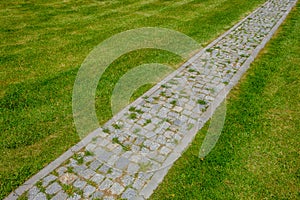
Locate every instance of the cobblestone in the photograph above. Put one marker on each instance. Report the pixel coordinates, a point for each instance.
(97, 195)
(61, 170)
(95, 165)
(127, 180)
(117, 189)
(53, 188)
(33, 192)
(97, 178)
(40, 196)
(48, 180)
(120, 162)
(60, 196)
(79, 184)
(138, 184)
(88, 190)
(86, 174)
(129, 194)
(104, 169)
(105, 184)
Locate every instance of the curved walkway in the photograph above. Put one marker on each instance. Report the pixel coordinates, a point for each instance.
(130, 155)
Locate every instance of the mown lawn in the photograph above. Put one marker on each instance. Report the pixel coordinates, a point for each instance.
(43, 44)
(258, 154)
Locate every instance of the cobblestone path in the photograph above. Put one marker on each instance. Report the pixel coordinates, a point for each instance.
(129, 156)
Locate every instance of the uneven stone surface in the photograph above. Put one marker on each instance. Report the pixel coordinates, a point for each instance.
(131, 153)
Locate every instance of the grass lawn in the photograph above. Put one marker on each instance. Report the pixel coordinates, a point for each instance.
(43, 44)
(258, 154)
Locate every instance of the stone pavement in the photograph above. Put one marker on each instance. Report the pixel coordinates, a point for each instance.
(130, 155)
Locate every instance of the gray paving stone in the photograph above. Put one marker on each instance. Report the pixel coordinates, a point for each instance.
(79, 184)
(187, 112)
(177, 122)
(102, 142)
(135, 158)
(103, 135)
(40, 196)
(138, 184)
(72, 163)
(61, 170)
(97, 195)
(112, 160)
(90, 147)
(102, 154)
(135, 149)
(88, 190)
(160, 158)
(53, 188)
(145, 150)
(154, 146)
(114, 174)
(173, 115)
(108, 198)
(150, 127)
(110, 147)
(133, 168)
(139, 140)
(60, 196)
(127, 180)
(144, 175)
(127, 154)
(97, 178)
(122, 163)
(129, 194)
(33, 192)
(104, 168)
(48, 179)
(161, 139)
(87, 159)
(79, 168)
(150, 134)
(95, 165)
(88, 173)
(117, 150)
(116, 189)
(177, 109)
(105, 184)
(165, 150)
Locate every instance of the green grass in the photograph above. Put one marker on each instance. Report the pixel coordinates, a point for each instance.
(201, 102)
(257, 155)
(43, 44)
